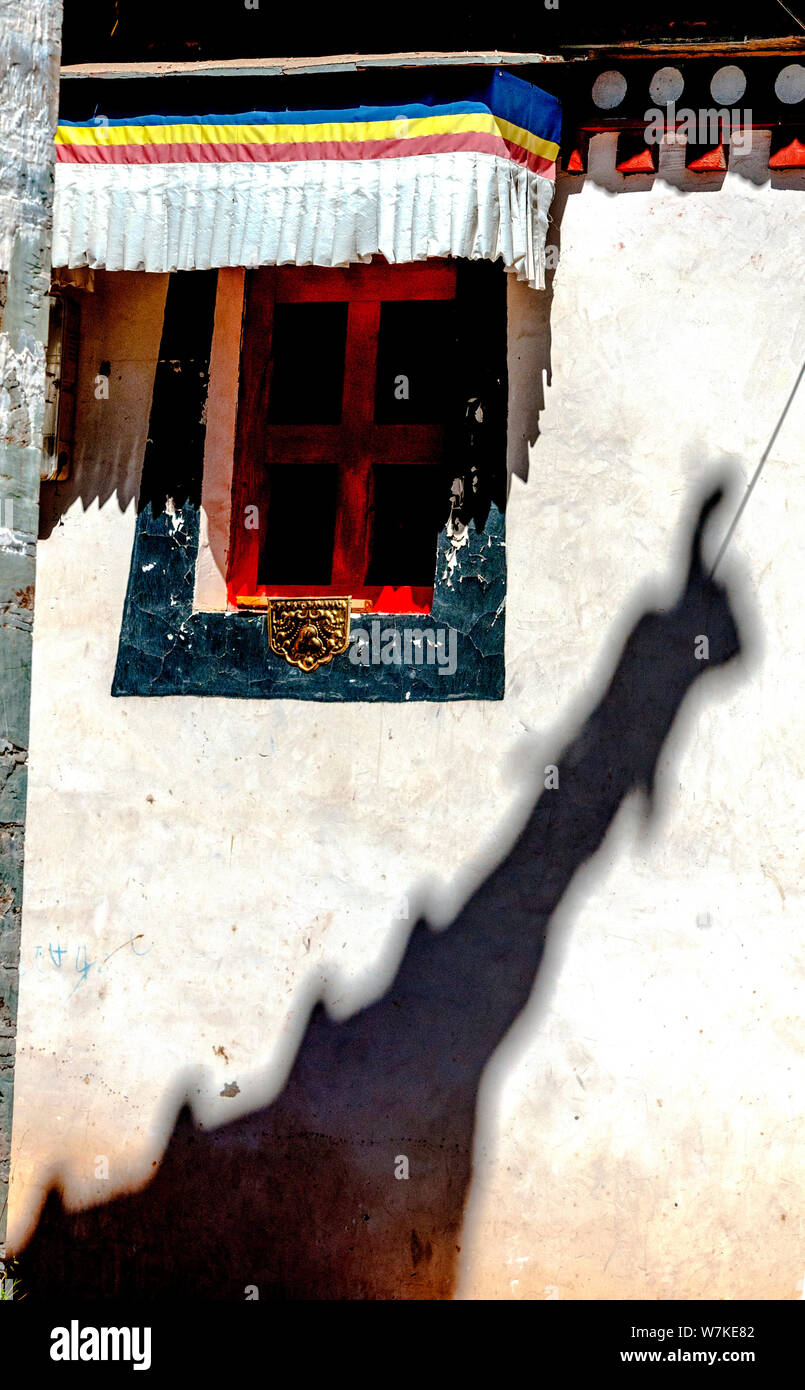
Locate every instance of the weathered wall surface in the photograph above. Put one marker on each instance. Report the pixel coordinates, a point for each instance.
(199, 870)
(29, 43)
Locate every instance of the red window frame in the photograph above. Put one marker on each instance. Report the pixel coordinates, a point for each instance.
(355, 445)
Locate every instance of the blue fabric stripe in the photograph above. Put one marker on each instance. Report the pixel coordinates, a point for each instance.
(507, 96)
(523, 104)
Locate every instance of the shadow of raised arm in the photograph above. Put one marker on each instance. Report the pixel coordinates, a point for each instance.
(305, 1198)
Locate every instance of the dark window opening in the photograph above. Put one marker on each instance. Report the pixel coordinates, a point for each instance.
(416, 355)
(407, 515)
(307, 380)
(298, 547)
(352, 425)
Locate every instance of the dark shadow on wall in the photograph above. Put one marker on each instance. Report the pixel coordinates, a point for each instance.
(530, 356)
(120, 329)
(300, 1198)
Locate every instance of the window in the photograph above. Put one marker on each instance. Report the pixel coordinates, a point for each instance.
(341, 482)
(318, 432)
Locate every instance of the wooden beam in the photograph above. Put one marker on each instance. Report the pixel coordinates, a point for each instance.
(679, 48)
(291, 67)
(362, 62)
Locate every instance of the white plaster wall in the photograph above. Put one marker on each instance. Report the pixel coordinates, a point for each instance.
(639, 1129)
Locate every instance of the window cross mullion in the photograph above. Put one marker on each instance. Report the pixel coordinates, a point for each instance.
(350, 548)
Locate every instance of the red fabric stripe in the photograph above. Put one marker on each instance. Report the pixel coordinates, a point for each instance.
(261, 154)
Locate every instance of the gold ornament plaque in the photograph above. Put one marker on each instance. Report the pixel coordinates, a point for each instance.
(308, 632)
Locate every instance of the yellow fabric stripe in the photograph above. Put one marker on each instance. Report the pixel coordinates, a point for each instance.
(535, 144)
(348, 132)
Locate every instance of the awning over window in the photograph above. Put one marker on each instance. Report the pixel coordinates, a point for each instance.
(469, 178)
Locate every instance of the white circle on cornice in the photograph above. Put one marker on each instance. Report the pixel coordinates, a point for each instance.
(728, 85)
(790, 84)
(609, 89)
(666, 85)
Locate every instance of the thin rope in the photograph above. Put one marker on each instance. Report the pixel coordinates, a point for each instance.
(791, 12)
(757, 472)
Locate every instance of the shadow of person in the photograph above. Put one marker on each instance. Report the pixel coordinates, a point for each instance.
(352, 1183)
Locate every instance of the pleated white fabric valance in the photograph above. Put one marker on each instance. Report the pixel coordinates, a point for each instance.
(473, 179)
